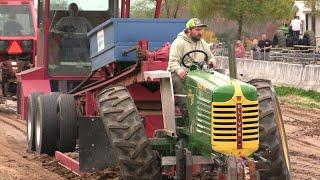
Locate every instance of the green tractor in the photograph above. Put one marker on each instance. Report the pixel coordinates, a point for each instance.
(235, 129)
(283, 37)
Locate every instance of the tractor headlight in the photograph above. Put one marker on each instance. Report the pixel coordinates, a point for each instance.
(27, 46)
(4, 45)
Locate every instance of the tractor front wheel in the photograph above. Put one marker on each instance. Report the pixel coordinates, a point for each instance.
(273, 145)
(279, 39)
(309, 38)
(127, 135)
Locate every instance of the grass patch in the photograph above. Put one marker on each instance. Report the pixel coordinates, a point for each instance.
(298, 97)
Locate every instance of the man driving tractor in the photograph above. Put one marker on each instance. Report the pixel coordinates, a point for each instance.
(72, 32)
(73, 23)
(186, 41)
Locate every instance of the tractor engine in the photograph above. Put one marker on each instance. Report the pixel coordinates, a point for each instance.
(223, 112)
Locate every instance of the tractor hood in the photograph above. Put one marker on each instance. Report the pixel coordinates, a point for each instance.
(222, 111)
(219, 85)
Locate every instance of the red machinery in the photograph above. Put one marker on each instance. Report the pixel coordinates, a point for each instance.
(71, 76)
(17, 42)
(43, 78)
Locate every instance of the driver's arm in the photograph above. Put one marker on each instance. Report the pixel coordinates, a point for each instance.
(58, 26)
(211, 59)
(175, 56)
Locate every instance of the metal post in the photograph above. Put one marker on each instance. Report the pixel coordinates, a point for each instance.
(180, 161)
(232, 60)
(158, 9)
(314, 55)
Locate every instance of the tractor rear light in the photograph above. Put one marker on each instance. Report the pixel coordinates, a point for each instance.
(4, 45)
(27, 46)
(13, 63)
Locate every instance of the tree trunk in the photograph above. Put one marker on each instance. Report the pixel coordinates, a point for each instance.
(176, 10)
(313, 15)
(167, 8)
(240, 23)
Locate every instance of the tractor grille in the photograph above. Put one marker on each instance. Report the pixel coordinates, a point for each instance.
(203, 115)
(234, 126)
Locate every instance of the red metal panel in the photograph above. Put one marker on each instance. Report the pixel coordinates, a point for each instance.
(68, 162)
(89, 104)
(152, 123)
(140, 93)
(29, 86)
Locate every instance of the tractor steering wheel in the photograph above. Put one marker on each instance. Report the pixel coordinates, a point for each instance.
(193, 51)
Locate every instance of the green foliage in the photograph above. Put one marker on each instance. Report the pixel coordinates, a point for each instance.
(59, 4)
(244, 11)
(298, 97)
(143, 8)
(285, 91)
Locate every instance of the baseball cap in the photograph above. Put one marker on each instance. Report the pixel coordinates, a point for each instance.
(195, 22)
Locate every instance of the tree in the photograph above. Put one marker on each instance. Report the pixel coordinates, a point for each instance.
(59, 4)
(143, 8)
(244, 11)
(169, 8)
(173, 6)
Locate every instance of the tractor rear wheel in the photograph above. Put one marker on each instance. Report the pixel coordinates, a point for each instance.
(309, 38)
(273, 145)
(31, 119)
(126, 133)
(67, 123)
(47, 124)
(279, 39)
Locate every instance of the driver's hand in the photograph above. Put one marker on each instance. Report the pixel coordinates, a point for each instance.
(182, 74)
(212, 64)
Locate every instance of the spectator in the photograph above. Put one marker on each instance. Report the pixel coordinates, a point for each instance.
(265, 46)
(296, 27)
(219, 50)
(255, 50)
(240, 51)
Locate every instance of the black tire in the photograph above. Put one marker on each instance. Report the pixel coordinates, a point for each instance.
(67, 123)
(31, 119)
(272, 146)
(47, 124)
(309, 38)
(127, 135)
(279, 39)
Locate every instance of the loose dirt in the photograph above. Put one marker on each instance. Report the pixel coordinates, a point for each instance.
(303, 134)
(302, 128)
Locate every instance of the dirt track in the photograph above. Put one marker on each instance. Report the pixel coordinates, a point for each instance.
(302, 127)
(303, 133)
